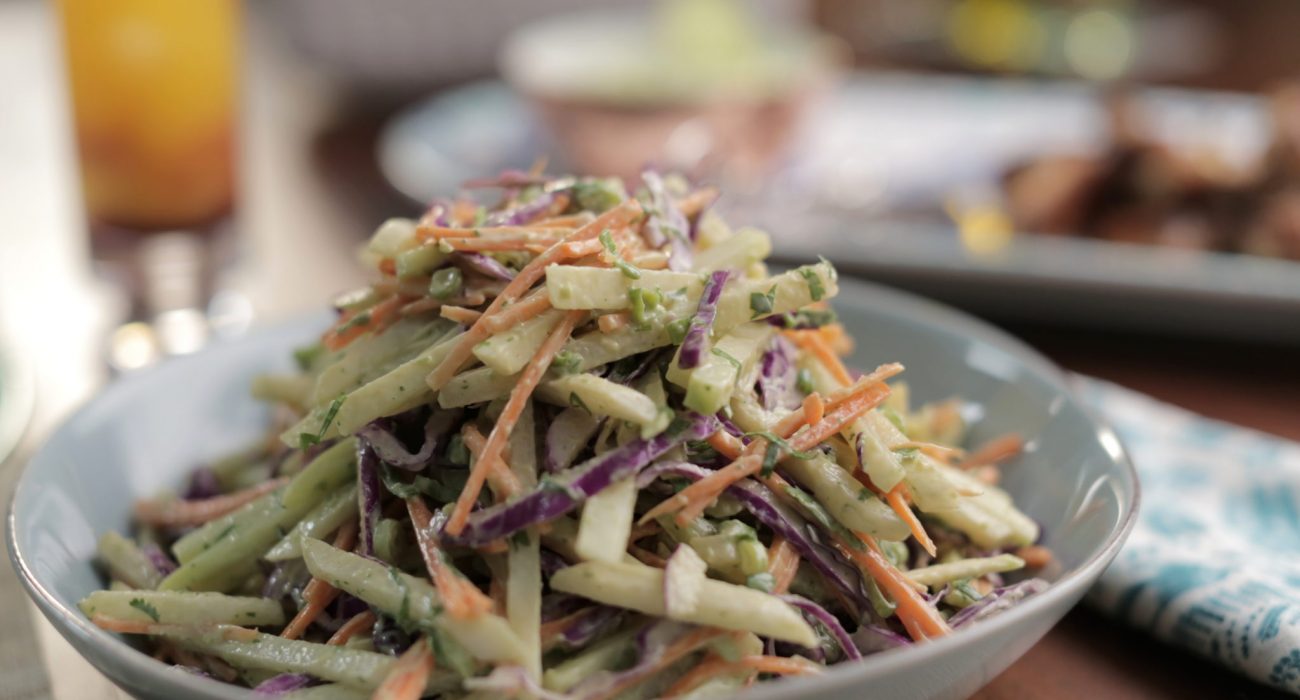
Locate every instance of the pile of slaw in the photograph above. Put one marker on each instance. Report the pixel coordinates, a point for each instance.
(580, 444)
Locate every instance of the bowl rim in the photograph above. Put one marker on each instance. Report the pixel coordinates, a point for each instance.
(129, 662)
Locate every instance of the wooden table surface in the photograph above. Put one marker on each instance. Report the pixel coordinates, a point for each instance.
(312, 191)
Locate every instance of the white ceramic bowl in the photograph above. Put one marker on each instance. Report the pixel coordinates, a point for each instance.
(148, 430)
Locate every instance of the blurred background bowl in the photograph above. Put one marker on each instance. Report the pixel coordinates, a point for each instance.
(690, 87)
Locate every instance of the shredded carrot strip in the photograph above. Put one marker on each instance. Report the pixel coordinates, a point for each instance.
(840, 416)
(181, 513)
(996, 450)
(836, 338)
(643, 531)
(501, 244)
(711, 666)
(557, 207)
(675, 652)
(475, 298)
(496, 441)
(783, 563)
(897, 500)
(570, 221)
(582, 242)
(652, 260)
(231, 633)
(791, 422)
(726, 444)
(463, 211)
(1036, 556)
(695, 498)
(939, 452)
(608, 323)
(463, 600)
(113, 624)
(504, 482)
(697, 201)
(409, 675)
(551, 632)
(528, 307)
(498, 546)
(814, 343)
(921, 619)
(380, 315)
(781, 665)
(388, 266)
(427, 232)
(989, 474)
(420, 306)
(361, 621)
(714, 666)
(814, 409)
(459, 314)
(647, 557)
(318, 595)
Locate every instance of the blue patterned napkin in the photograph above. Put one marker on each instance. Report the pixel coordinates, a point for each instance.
(1213, 564)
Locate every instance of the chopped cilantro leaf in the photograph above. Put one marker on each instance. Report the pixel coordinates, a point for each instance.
(677, 330)
(724, 355)
(457, 453)
(143, 606)
(770, 456)
(307, 355)
(577, 402)
(306, 440)
(815, 288)
(629, 271)
(762, 304)
(762, 581)
(907, 454)
(567, 362)
(804, 381)
(808, 318)
(776, 440)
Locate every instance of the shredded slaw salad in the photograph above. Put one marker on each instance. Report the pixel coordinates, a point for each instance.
(583, 445)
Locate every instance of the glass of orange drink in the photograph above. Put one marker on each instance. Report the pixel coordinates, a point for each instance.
(154, 94)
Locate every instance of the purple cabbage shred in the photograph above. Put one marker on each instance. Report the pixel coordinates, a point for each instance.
(822, 616)
(367, 496)
(483, 264)
(390, 450)
(558, 496)
(697, 336)
(203, 484)
(158, 558)
(777, 375)
(998, 600)
(283, 684)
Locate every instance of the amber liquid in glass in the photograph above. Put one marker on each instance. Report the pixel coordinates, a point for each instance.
(153, 87)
